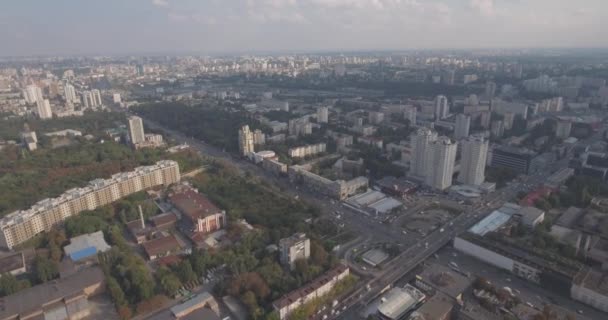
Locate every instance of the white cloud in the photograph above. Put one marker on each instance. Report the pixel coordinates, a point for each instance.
(160, 3)
(484, 7)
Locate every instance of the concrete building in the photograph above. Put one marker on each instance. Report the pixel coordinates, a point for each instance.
(490, 90)
(591, 287)
(463, 125)
(436, 277)
(43, 108)
(32, 94)
(518, 160)
(375, 117)
(116, 98)
(202, 214)
(161, 247)
(96, 96)
(338, 189)
(70, 93)
(20, 226)
(440, 158)
(410, 114)
(497, 129)
(473, 162)
(322, 114)
(136, 130)
(316, 289)
(563, 129)
(246, 141)
(259, 138)
(419, 143)
(531, 216)
(485, 117)
(87, 99)
(509, 118)
(294, 248)
(64, 298)
(307, 150)
(442, 108)
(398, 301)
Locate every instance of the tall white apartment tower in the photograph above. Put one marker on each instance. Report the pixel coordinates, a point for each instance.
(473, 163)
(410, 114)
(136, 130)
(440, 157)
(96, 95)
(70, 93)
(463, 124)
(44, 109)
(419, 143)
(323, 115)
(87, 99)
(33, 94)
(441, 107)
(246, 142)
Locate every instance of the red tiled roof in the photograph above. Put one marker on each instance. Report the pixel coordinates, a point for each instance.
(193, 204)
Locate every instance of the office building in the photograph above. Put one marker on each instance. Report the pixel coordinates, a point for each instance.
(322, 115)
(20, 226)
(419, 143)
(473, 163)
(246, 141)
(32, 94)
(44, 109)
(70, 93)
(442, 107)
(463, 125)
(490, 90)
(136, 130)
(518, 160)
(498, 129)
(294, 248)
(563, 129)
(440, 157)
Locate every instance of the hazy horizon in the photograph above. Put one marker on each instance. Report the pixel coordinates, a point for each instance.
(69, 27)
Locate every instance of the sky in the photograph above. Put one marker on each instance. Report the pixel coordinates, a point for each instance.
(51, 27)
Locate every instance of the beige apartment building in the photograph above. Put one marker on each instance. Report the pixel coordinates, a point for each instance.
(22, 225)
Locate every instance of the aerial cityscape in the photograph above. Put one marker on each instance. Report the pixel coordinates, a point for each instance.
(291, 160)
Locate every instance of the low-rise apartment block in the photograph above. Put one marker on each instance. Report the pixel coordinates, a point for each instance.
(315, 289)
(308, 150)
(294, 248)
(22, 225)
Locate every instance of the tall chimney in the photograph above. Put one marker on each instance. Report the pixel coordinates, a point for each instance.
(141, 217)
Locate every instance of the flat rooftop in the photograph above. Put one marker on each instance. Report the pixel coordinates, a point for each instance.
(445, 280)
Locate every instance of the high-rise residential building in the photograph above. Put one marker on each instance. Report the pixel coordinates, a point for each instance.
(410, 114)
(322, 115)
(563, 129)
(32, 94)
(419, 144)
(473, 162)
(463, 125)
(70, 93)
(259, 138)
(294, 248)
(87, 99)
(22, 225)
(440, 157)
(442, 108)
(448, 77)
(490, 90)
(136, 130)
(44, 109)
(246, 141)
(96, 95)
(116, 98)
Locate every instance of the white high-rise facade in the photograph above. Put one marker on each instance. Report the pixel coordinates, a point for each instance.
(473, 163)
(463, 124)
(323, 115)
(440, 157)
(33, 94)
(442, 109)
(44, 109)
(96, 94)
(136, 130)
(410, 114)
(419, 143)
(246, 141)
(87, 99)
(70, 93)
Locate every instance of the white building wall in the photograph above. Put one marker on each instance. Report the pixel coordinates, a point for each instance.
(483, 254)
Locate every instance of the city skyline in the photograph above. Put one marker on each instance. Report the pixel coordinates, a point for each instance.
(177, 26)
